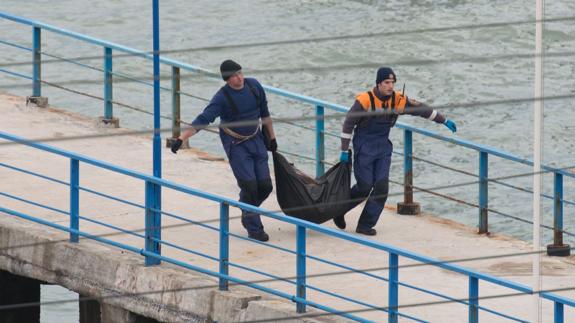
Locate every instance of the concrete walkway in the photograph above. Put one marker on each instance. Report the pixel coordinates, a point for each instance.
(427, 235)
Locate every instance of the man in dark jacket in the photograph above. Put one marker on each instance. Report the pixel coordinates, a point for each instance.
(242, 100)
(371, 144)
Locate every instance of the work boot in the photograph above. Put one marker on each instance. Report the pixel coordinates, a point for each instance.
(260, 236)
(339, 221)
(367, 232)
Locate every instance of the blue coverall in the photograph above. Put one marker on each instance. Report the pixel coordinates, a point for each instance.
(248, 159)
(373, 149)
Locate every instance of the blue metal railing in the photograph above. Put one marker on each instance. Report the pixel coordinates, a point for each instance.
(153, 232)
(408, 206)
(152, 237)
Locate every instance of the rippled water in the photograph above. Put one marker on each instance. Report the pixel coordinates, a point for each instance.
(441, 68)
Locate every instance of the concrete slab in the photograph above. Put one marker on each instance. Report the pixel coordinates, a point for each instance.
(426, 234)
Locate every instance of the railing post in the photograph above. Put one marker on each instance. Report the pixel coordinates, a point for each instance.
(393, 292)
(175, 102)
(176, 109)
(224, 244)
(558, 248)
(74, 198)
(473, 300)
(108, 118)
(319, 141)
(153, 223)
(483, 192)
(37, 59)
(36, 97)
(408, 206)
(301, 268)
(559, 314)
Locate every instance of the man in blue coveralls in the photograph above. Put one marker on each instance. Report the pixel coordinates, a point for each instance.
(242, 100)
(371, 144)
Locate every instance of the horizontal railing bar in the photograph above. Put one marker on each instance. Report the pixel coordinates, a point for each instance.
(130, 232)
(186, 220)
(296, 155)
(117, 199)
(14, 197)
(169, 244)
(216, 259)
(426, 291)
(274, 277)
(345, 298)
(494, 312)
(262, 243)
(125, 76)
(351, 269)
(298, 125)
(557, 298)
(15, 45)
(73, 62)
(66, 229)
(34, 174)
(331, 134)
(15, 74)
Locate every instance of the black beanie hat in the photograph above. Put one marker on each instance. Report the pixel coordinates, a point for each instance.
(384, 73)
(228, 68)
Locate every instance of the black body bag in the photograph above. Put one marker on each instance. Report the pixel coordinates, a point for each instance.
(315, 200)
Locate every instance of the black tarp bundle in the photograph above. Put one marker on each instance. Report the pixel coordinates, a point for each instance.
(306, 198)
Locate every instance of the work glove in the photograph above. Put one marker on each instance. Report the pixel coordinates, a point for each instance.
(176, 145)
(273, 147)
(451, 125)
(344, 156)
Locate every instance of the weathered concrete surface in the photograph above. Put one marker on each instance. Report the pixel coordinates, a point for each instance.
(425, 235)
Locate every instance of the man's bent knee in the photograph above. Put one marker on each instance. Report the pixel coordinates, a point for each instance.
(380, 191)
(265, 188)
(248, 191)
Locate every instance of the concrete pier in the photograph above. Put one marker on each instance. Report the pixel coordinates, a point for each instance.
(113, 275)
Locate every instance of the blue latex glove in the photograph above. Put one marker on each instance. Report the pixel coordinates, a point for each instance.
(451, 125)
(344, 157)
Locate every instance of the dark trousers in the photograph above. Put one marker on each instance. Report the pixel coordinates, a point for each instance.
(371, 170)
(249, 162)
